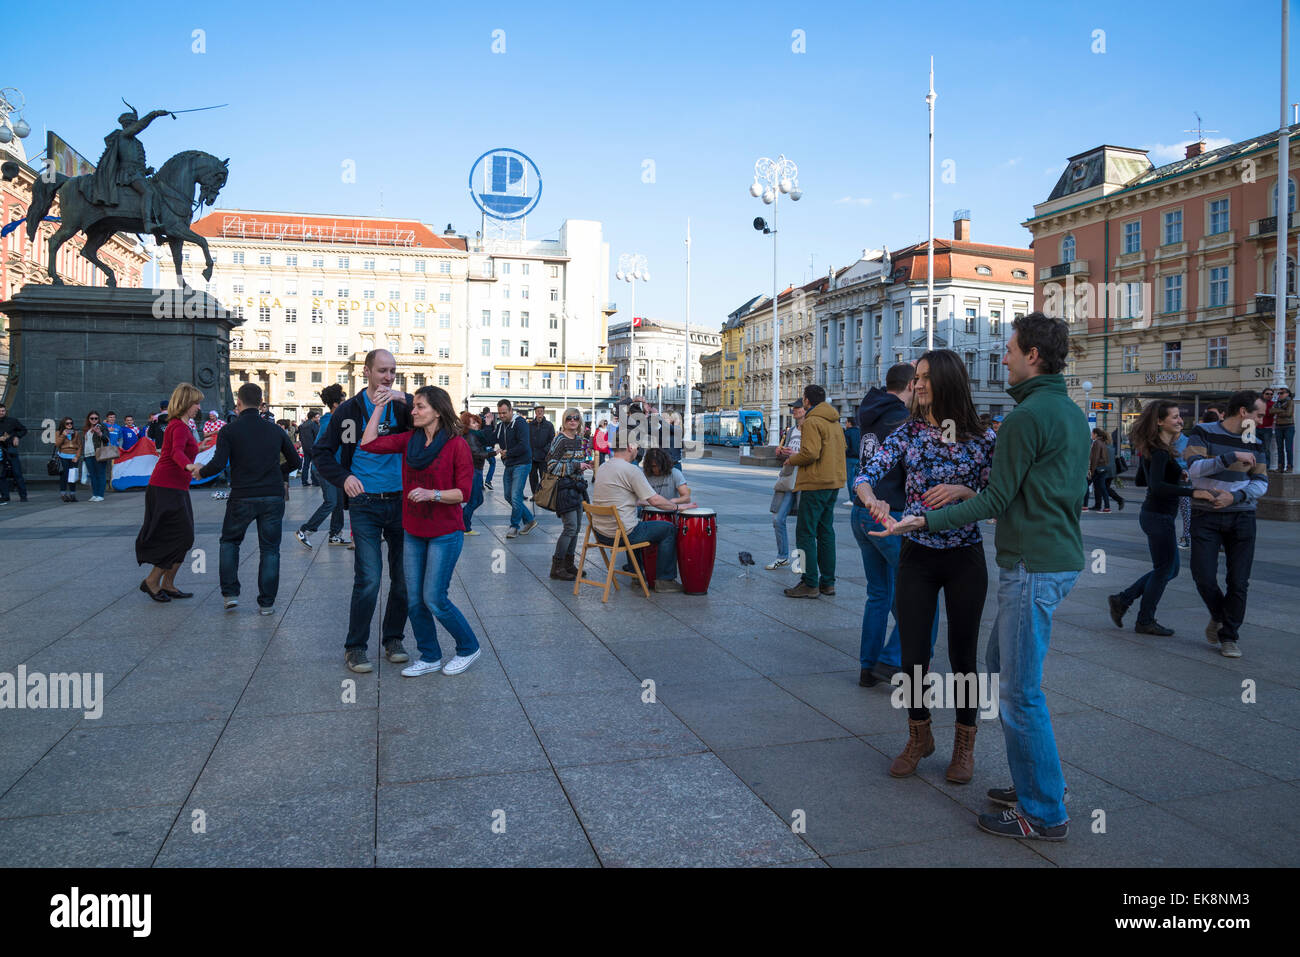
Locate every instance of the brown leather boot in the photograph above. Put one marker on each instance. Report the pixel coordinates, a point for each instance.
(962, 768)
(570, 566)
(920, 744)
(560, 573)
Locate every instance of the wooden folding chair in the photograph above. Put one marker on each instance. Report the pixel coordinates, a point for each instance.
(609, 553)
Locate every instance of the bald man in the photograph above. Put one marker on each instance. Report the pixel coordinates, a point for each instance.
(373, 487)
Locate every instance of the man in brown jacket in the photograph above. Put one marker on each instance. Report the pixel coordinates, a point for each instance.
(821, 475)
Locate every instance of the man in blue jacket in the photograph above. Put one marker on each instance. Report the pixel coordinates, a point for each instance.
(373, 487)
(517, 456)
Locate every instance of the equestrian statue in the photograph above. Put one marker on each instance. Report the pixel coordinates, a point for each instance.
(124, 194)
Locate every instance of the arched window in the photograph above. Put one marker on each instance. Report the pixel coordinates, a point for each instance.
(1290, 205)
(1067, 249)
(983, 271)
(1019, 274)
(1290, 277)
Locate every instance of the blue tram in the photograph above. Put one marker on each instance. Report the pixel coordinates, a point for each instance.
(737, 427)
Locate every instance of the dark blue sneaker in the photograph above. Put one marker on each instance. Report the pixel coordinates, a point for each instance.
(1011, 823)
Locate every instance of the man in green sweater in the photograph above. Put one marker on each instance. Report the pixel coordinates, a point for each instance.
(1036, 492)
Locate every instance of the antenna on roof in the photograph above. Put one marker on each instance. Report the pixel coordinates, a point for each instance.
(1198, 131)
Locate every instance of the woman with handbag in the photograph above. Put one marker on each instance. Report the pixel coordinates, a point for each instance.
(95, 454)
(436, 467)
(167, 532)
(67, 451)
(566, 461)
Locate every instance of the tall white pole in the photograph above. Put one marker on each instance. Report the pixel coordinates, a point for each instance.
(1283, 209)
(929, 281)
(595, 340)
(774, 428)
(631, 349)
(686, 423)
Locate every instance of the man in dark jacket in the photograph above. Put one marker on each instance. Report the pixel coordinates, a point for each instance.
(261, 458)
(852, 443)
(11, 431)
(541, 433)
(516, 451)
(307, 433)
(881, 412)
(158, 425)
(373, 484)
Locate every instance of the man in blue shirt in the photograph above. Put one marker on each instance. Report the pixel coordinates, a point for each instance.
(373, 485)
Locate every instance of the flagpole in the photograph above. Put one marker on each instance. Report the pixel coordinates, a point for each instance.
(929, 280)
(686, 424)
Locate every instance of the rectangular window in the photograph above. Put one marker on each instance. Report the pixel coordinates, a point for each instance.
(995, 367)
(505, 348)
(420, 294)
(555, 295)
(394, 320)
(1173, 355)
(485, 318)
(546, 381)
(444, 351)
(344, 261)
(553, 349)
(486, 347)
(237, 258)
(505, 380)
(555, 322)
(290, 376)
(291, 314)
(264, 259)
(290, 347)
(970, 320)
(523, 320)
(1133, 236)
(394, 295)
(444, 322)
(291, 261)
(367, 264)
(444, 268)
(970, 366)
(1173, 294)
(419, 320)
(318, 290)
(316, 348)
(264, 314)
(444, 295)
(505, 318)
(555, 272)
(579, 382)
(523, 349)
(341, 348)
(1173, 226)
(564, 382)
(1219, 216)
(1130, 300)
(315, 378)
(995, 322)
(417, 380)
(317, 262)
(1217, 352)
(523, 292)
(487, 268)
(317, 317)
(417, 346)
(505, 269)
(368, 318)
(343, 292)
(367, 294)
(444, 380)
(419, 265)
(343, 317)
(1132, 359)
(524, 269)
(1219, 286)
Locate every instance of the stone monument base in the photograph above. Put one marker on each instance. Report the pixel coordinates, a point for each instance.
(77, 348)
(1282, 501)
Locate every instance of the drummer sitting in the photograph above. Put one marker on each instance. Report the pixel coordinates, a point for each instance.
(664, 477)
(621, 484)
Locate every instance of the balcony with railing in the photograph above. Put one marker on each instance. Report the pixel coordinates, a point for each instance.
(1077, 267)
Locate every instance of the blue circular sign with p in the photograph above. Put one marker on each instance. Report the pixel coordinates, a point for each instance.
(505, 184)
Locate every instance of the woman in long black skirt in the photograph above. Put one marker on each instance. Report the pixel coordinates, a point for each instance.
(167, 534)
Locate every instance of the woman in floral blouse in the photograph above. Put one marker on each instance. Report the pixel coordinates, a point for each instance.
(946, 455)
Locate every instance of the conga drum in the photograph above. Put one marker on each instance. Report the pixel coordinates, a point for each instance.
(697, 547)
(651, 552)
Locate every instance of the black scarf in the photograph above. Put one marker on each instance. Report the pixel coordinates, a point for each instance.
(419, 455)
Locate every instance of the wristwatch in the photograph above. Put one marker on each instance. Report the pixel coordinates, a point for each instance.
(437, 495)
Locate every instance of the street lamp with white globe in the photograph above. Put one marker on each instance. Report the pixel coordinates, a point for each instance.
(771, 179)
(631, 267)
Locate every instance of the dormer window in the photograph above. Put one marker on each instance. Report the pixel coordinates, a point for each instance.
(983, 271)
(1078, 171)
(1019, 274)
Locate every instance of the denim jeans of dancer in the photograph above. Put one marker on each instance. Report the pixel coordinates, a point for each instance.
(880, 566)
(516, 482)
(268, 512)
(375, 521)
(429, 564)
(475, 499)
(492, 468)
(779, 523)
(1163, 545)
(1234, 534)
(331, 505)
(1017, 646)
(98, 472)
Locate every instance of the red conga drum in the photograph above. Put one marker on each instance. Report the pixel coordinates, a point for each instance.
(650, 554)
(697, 546)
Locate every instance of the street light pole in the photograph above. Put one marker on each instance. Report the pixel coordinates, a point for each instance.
(929, 281)
(781, 176)
(631, 267)
(1283, 217)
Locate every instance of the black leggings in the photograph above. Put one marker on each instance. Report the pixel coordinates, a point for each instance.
(964, 578)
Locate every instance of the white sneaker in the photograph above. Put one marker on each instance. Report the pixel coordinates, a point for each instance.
(422, 667)
(96, 498)
(231, 603)
(459, 664)
(779, 563)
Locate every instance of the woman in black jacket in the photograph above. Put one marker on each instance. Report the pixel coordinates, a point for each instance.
(1153, 436)
(567, 459)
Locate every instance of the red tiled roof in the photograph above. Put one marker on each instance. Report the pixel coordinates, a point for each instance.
(309, 227)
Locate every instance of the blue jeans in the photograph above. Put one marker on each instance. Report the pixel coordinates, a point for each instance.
(1017, 647)
(492, 468)
(475, 499)
(331, 505)
(429, 563)
(268, 512)
(778, 522)
(1285, 446)
(516, 482)
(1266, 436)
(664, 537)
(375, 521)
(1162, 542)
(851, 465)
(880, 564)
(98, 474)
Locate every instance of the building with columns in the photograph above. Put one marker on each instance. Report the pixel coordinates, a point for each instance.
(317, 292)
(1167, 274)
(662, 374)
(873, 314)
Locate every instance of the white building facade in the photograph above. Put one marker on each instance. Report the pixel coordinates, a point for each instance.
(662, 373)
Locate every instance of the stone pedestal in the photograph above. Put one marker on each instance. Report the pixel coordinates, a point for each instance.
(77, 348)
(1282, 502)
(760, 455)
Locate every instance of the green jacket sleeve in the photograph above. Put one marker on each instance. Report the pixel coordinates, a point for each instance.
(1014, 454)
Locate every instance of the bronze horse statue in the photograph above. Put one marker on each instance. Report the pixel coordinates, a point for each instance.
(175, 206)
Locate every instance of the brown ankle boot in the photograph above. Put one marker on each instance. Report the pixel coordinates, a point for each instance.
(570, 566)
(920, 744)
(559, 572)
(962, 768)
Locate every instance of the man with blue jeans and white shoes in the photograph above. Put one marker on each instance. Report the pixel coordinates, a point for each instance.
(517, 458)
(1035, 493)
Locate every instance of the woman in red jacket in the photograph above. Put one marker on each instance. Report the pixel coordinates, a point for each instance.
(167, 534)
(437, 476)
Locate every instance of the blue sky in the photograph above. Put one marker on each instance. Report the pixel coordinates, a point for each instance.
(413, 93)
